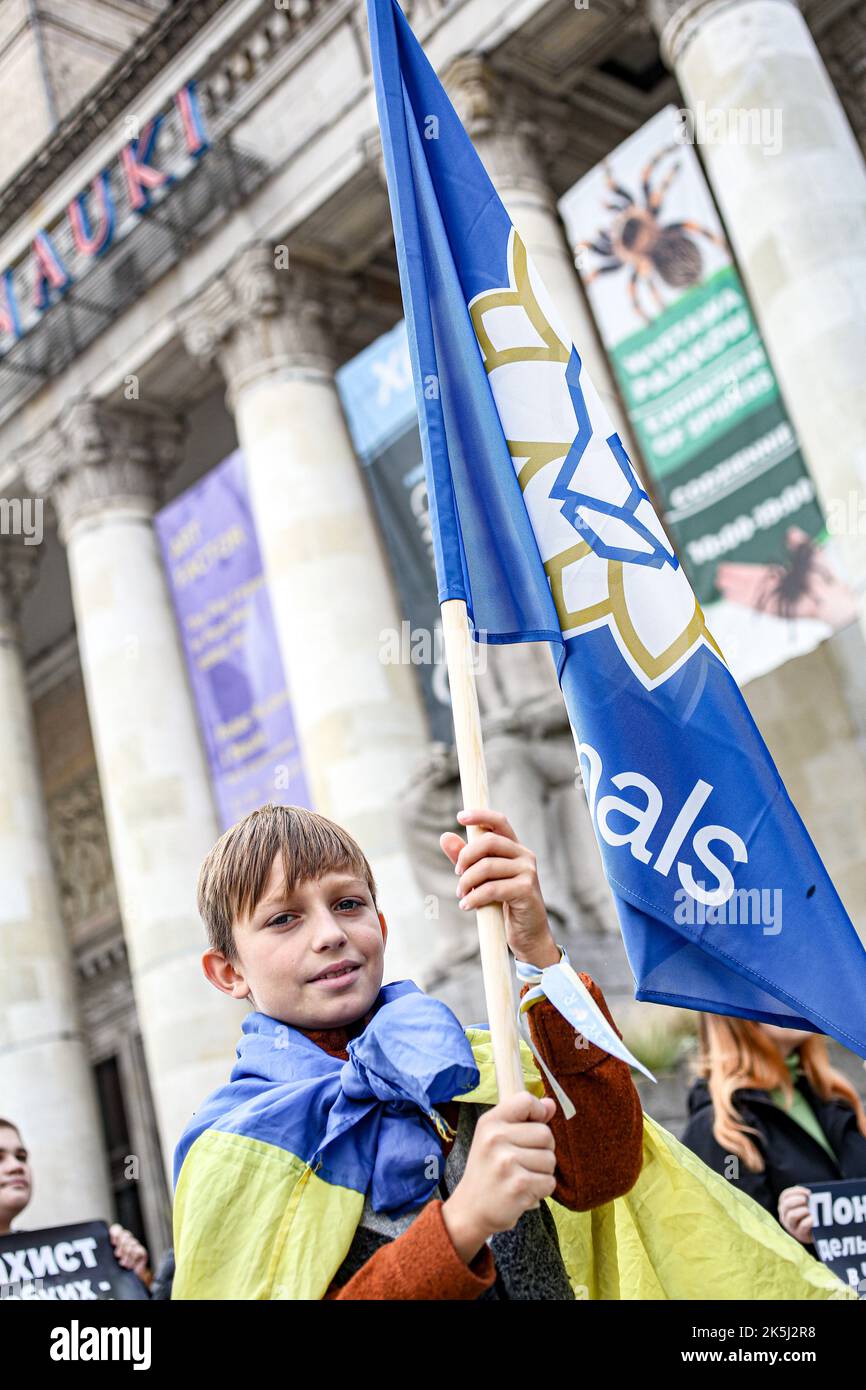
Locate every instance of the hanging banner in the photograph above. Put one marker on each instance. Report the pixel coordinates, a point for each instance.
(215, 575)
(379, 403)
(62, 255)
(721, 453)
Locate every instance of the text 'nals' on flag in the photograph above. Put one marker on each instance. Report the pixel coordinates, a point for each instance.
(541, 525)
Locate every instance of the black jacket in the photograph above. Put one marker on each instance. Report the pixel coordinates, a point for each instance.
(792, 1156)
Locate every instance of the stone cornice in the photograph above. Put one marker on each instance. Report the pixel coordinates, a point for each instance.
(96, 459)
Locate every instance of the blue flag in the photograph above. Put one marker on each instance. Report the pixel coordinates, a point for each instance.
(541, 525)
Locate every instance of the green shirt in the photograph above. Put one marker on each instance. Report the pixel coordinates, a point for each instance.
(801, 1110)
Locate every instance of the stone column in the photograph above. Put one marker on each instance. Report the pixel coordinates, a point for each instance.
(103, 471)
(360, 721)
(791, 184)
(46, 1084)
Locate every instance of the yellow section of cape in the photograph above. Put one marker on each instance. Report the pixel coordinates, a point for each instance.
(254, 1222)
(682, 1232)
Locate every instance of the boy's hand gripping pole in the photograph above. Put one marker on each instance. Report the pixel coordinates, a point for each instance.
(495, 956)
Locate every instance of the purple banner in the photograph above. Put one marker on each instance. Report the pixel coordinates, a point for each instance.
(217, 584)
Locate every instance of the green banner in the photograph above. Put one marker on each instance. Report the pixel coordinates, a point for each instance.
(721, 456)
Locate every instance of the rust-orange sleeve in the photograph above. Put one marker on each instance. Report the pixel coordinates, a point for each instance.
(420, 1264)
(599, 1151)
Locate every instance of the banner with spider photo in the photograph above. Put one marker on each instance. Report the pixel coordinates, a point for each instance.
(719, 450)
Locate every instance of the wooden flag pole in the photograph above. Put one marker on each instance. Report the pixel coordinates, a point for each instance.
(495, 957)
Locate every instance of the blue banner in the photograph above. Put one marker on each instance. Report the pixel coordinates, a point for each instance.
(378, 396)
(214, 571)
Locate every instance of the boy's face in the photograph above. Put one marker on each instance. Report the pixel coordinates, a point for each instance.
(291, 945)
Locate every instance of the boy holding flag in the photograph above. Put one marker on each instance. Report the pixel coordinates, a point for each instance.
(357, 1151)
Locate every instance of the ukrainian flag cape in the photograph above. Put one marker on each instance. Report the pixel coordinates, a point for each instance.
(254, 1221)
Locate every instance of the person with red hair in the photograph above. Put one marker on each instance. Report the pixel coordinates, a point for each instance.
(770, 1113)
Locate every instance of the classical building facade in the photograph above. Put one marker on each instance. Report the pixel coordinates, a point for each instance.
(215, 318)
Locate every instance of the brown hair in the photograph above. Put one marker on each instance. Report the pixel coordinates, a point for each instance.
(233, 876)
(7, 1124)
(736, 1053)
